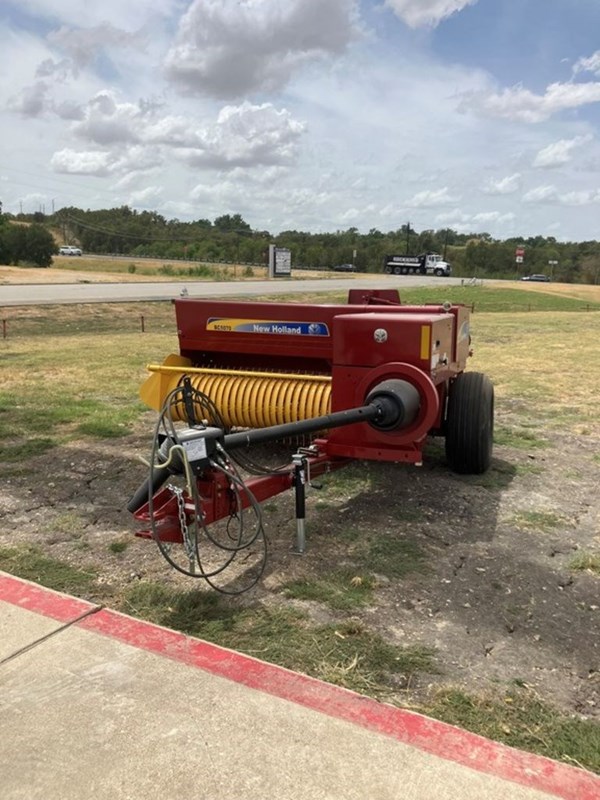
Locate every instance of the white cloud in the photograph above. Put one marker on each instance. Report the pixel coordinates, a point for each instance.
(432, 198)
(130, 15)
(553, 196)
(91, 162)
(68, 110)
(580, 198)
(102, 163)
(267, 176)
(590, 64)
(541, 194)
(31, 101)
(135, 178)
(508, 185)
(418, 13)
(107, 122)
(228, 49)
(485, 217)
(84, 45)
(49, 68)
(138, 158)
(146, 198)
(137, 139)
(559, 153)
(245, 135)
(465, 223)
(522, 105)
(367, 132)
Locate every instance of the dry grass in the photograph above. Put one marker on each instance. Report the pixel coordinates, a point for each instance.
(543, 366)
(577, 290)
(69, 269)
(111, 365)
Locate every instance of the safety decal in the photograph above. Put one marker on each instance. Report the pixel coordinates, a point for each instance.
(278, 327)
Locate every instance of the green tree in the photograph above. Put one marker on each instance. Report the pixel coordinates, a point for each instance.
(231, 222)
(30, 244)
(39, 246)
(15, 243)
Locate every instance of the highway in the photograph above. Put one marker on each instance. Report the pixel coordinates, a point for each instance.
(59, 293)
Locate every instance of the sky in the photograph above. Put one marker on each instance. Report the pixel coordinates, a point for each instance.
(313, 115)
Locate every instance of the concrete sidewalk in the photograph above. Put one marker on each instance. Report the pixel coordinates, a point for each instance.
(94, 704)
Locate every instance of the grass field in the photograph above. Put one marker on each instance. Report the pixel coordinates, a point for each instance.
(537, 356)
(74, 372)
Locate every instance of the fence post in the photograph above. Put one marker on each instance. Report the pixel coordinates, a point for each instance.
(142, 321)
(4, 329)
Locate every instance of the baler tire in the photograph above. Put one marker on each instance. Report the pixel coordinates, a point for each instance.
(470, 424)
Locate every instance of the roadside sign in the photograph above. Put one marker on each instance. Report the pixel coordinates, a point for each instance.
(280, 262)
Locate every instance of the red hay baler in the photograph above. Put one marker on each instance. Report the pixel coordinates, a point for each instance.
(368, 380)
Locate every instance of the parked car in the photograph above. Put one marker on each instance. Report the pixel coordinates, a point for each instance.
(344, 268)
(69, 250)
(539, 278)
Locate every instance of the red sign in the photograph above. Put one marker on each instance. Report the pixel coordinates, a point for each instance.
(520, 252)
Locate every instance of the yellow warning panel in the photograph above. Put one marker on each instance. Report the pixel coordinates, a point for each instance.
(425, 342)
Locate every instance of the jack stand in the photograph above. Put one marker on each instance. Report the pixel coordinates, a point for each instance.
(300, 470)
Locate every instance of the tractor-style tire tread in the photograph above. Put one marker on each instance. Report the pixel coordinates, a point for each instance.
(470, 424)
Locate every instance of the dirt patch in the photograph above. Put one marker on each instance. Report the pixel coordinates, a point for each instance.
(493, 590)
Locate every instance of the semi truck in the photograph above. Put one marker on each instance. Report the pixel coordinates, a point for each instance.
(424, 264)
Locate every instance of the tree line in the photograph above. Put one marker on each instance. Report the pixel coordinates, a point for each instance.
(230, 239)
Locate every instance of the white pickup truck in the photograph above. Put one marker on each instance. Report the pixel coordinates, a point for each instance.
(425, 264)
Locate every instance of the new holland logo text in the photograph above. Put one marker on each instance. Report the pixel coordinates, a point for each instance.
(269, 327)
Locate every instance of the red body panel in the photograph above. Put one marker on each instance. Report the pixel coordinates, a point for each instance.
(209, 332)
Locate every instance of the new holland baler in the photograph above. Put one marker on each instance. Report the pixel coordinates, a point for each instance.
(369, 380)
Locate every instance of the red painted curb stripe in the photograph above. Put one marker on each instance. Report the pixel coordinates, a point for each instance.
(43, 601)
(428, 735)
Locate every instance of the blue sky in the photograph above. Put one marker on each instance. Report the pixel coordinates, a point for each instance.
(319, 115)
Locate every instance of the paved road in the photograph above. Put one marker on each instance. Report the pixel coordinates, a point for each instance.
(40, 294)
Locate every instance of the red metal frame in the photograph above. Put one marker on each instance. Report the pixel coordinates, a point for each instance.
(218, 498)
